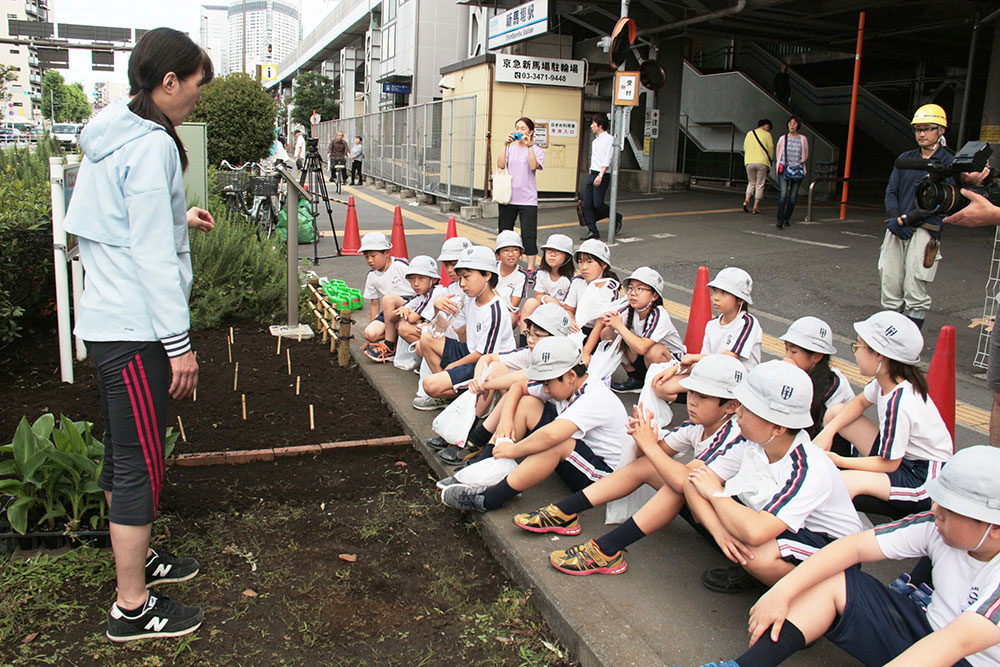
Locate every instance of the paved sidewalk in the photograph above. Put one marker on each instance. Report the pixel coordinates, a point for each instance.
(657, 613)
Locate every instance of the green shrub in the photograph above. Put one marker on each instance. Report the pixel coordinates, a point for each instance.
(51, 475)
(240, 116)
(236, 275)
(27, 283)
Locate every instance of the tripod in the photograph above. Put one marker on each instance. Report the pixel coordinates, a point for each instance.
(312, 178)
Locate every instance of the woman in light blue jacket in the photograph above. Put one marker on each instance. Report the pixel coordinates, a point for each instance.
(129, 212)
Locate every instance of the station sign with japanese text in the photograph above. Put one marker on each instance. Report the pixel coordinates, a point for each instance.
(521, 22)
(541, 71)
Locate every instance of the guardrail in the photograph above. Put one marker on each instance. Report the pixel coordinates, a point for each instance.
(833, 179)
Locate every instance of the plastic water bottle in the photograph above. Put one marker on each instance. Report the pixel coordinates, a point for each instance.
(439, 325)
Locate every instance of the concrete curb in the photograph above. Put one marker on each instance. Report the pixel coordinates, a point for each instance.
(198, 459)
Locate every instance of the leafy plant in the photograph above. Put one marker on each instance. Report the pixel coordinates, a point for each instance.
(52, 473)
(240, 116)
(314, 92)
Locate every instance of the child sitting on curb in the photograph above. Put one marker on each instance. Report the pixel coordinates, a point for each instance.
(386, 288)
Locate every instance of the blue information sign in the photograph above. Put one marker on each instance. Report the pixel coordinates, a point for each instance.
(403, 88)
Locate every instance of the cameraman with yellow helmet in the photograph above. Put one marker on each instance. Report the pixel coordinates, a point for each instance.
(909, 255)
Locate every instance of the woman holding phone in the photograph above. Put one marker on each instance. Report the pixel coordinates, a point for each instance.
(521, 158)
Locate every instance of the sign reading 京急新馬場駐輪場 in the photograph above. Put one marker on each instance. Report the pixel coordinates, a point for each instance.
(521, 22)
(540, 71)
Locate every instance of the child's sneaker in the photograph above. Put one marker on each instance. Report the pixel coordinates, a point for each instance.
(165, 568)
(380, 352)
(429, 403)
(732, 579)
(549, 519)
(631, 385)
(587, 558)
(159, 618)
(445, 482)
(454, 455)
(464, 497)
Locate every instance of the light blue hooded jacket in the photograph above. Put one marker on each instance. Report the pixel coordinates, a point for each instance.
(130, 214)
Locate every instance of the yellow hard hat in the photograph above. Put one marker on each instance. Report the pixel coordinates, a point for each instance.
(931, 114)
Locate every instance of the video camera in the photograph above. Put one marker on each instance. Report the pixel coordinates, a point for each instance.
(312, 144)
(936, 196)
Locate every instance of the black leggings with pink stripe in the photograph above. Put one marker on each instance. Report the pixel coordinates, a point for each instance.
(134, 378)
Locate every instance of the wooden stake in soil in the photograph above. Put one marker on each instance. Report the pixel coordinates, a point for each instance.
(243, 398)
(180, 425)
(312, 421)
(194, 396)
(288, 355)
(232, 338)
(297, 378)
(344, 342)
(279, 346)
(236, 375)
(229, 348)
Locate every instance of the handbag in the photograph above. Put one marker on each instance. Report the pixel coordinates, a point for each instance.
(502, 186)
(796, 173)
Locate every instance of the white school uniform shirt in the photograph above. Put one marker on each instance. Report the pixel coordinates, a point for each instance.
(657, 327)
(839, 391)
(742, 337)
(600, 419)
(803, 488)
(424, 305)
(601, 151)
(517, 359)
(511, 286)
(689, 438)
(908, 426)
(392, 281)
(488, 328)
(577, 287)
(961, 583)
(556, 289)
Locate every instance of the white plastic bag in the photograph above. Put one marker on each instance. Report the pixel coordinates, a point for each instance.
(621, 509)
(455, 421)
(406, 356)
(486, 472)
(606, 358)
(502, 187)
(648, 399)
(599, 297)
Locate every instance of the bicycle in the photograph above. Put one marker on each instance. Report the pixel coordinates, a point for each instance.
(264, 211)
(339, 175)
(233, 186)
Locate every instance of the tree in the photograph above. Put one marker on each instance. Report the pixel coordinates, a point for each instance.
(8, 74)
(240, 115)
(66, 101)
(313, 92)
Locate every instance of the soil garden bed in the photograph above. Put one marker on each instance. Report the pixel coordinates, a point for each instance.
(343, 558)
(345, 407)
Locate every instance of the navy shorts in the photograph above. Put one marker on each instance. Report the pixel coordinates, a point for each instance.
(878, 623)
(380, 318)
(796, 547)
(906, 485)
(453, 351)
(582, 467)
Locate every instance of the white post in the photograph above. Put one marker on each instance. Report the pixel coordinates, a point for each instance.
(56, 172)
(76, 275)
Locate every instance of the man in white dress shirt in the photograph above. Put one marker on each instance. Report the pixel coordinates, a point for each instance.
(601, 151)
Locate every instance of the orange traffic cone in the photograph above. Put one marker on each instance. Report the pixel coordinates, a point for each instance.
(701, 312)
(398, 236)
(452, 233)
(941, 377)
(352, 237)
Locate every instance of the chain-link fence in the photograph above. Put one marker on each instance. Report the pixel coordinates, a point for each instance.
(429, 147)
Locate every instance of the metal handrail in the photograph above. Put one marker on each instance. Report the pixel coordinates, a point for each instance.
(295, 191)
(809, 205)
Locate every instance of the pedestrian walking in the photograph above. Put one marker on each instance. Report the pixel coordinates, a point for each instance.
(357, 155)
(601, 151)
(758, 152)
(791, 155)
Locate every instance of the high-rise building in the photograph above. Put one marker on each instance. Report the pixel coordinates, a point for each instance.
(106, 92)
(214, 34)
(273, 29)
(24, 95)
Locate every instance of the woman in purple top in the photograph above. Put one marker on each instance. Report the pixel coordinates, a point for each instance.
(521, 159)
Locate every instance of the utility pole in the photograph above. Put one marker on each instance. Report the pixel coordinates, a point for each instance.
(244, 70)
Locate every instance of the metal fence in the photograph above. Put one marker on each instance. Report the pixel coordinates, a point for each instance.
(428, 147)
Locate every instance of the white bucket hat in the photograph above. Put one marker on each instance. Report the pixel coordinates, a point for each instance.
(597, 248)
(375, 241)
(811, 334)
(892, 335)
(779, 392)
(559, 242)
(452, 248)
(968, 484)
(508, 238)
(422, 265)
(552, 357)
(478, 258)
(715, 375)
(648, 276)
(735, 281)
(552, 317)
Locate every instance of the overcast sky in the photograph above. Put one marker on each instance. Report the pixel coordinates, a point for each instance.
(147, 14)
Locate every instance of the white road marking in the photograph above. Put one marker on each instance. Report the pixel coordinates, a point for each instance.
(787, 238)
(625, 239)
(664, 235)
(867, 236)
